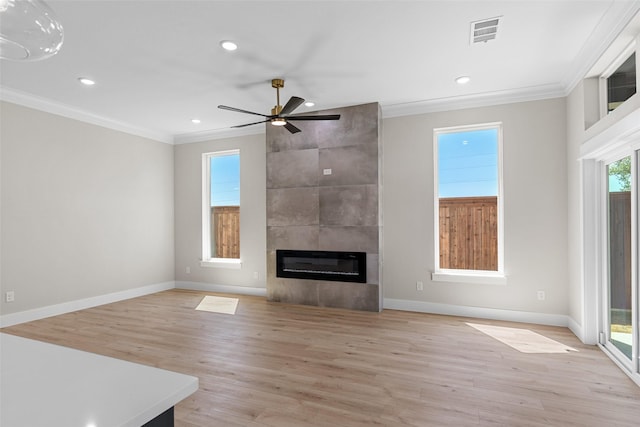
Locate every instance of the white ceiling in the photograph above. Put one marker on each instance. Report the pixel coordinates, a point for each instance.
(158, 64)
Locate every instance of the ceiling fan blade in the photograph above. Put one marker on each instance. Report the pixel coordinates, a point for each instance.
(293, 103)
(325, 117)
(249, 124)
(291, 128)
(238, 110)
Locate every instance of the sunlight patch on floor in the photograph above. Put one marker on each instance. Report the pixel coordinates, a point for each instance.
(523, 340)
(218, 304)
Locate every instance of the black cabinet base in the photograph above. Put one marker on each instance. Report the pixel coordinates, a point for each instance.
(165, 419)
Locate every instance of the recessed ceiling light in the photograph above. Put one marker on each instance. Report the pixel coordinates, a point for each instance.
(309, 104)
(463, 80)
(228, 45)
(195, 121)
(86, 81)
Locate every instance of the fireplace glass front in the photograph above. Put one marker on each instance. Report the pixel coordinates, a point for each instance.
(322, 265)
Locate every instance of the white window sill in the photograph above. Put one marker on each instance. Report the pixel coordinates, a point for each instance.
(460, 276)
(233, 263)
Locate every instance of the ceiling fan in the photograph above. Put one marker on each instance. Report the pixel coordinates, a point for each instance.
(280, 115)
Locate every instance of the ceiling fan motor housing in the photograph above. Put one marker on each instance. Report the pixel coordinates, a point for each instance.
(275, 118)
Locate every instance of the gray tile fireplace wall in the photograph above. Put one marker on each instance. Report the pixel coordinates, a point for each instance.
(324, 193)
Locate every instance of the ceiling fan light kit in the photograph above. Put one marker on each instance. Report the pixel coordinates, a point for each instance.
(280, 116)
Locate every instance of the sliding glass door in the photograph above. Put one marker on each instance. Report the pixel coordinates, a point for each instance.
(620, 296)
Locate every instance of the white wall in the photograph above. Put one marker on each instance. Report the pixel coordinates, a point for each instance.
(535, 208)
(575, 131)
(536, 257)
(253, 214)
(89, 211)
(86, 211)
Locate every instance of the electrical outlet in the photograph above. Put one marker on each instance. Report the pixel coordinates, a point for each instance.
(256, 275)
(541, 296)
(10, 296)
(188, 270)
(419, 286)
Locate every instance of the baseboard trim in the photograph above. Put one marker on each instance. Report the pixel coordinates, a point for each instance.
(226, 289)
(388, 303)
(577, 330)
(68, 307)
(477, 312)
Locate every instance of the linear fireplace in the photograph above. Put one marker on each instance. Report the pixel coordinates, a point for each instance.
(322, 265)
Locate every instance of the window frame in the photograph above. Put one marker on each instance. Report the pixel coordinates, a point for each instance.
(207, 260)
(498, 276)
(609, 71)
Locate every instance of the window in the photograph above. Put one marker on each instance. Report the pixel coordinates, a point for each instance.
(221, 207)
(468, 200)
(621, 84)
(619, 266)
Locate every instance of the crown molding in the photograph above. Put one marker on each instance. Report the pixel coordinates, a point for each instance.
(388, 111)
(617, 18)
(486, 99)
(208, 135)
(407, 109)
(49, 106)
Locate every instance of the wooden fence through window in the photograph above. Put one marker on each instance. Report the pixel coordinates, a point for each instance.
(225, 231)
(469, 233)
(620, 250)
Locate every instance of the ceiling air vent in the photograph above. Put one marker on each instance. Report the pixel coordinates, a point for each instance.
(485, 30)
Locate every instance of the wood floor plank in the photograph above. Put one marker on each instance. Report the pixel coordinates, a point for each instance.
(278, 365)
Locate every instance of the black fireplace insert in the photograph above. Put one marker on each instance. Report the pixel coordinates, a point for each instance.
(322, 265)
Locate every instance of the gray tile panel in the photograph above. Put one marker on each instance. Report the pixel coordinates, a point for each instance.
(292, 206)
(352, 165)
(341, 238)
(298, 237)
(350, 205)
(296, 168)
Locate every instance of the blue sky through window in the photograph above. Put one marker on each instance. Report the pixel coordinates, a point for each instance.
(615, 185)
(468, 163)
(617, 181)
(225, 180)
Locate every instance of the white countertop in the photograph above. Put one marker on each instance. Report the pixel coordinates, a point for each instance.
(45, 385)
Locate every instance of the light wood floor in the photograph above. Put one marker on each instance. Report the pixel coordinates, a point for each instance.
(294, 366)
